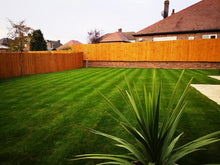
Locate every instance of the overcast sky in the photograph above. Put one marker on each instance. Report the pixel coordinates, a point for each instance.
(72, 19)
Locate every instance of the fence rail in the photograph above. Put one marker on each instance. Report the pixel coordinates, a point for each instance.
(38, 62)
(181, 50)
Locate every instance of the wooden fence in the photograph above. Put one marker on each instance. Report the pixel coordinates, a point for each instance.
(38, 62)
(207, 50)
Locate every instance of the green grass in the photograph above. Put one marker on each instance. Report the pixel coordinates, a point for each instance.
(39, 114)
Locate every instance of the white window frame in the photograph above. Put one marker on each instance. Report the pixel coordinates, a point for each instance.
(191, 38)
(131, 41)
(208, 36)
(140, 39)
(170, 38)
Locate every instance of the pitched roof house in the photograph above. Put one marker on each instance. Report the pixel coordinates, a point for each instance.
(53, 45)
(198, 21)
(3, 48)
(5, 41)
(69, 44)
(118, 36)
(4, 44)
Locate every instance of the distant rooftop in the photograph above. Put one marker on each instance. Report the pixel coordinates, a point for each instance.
(5, 41)
(70, 43)
(3, 47)
(118, 36)
(52, 45)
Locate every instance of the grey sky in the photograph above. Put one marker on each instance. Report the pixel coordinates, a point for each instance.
(71, 19)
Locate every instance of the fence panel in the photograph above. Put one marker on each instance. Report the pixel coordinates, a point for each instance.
(38, 62)
(9, 65)
(207, 50)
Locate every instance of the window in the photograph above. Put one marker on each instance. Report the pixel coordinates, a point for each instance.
(165, 38)
(191, 38)
(140, 39)
(132, 41)
(209, 36)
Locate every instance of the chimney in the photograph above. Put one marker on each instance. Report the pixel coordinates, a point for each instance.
(120, 30)
(166, 8)
(173, 11)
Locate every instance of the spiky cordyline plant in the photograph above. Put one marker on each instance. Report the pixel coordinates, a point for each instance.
(155, 145)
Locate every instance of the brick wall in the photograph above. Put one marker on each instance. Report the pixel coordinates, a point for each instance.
(155, 64)
(179, 36)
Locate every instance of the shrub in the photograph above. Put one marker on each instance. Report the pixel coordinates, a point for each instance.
(155, 145)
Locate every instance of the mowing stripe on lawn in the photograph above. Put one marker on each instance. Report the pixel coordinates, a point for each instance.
(56, 121)
(45, 77)
(200, 78)
(46, 81)
(32, 78)
(100, 120)
(50, 99)
(54, 97)
(43, 86)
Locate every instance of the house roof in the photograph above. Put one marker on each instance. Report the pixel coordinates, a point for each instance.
(5, 41)
(117, 37)
(3, 47)
(53, 44)
(70, 43)
(129, 35)
(202, 16)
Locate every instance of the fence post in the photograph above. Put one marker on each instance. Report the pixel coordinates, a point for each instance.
(21, 62)
(87, 53)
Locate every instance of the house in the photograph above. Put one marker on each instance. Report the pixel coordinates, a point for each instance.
(199, 21)
(4, 44)
(68, 45)
(5, 41)
(26, 47)
(53, 45)
(118, 36)
(3, 48)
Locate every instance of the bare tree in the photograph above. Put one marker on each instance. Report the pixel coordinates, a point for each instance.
(94, 36)
(20, 35)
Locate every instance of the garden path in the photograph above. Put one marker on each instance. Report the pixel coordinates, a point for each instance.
(210, 90)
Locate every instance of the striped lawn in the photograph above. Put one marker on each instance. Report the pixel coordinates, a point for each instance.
(39, 114)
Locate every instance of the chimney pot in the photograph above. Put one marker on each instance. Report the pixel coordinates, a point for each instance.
(166, 8)
(173, 11)
(120, 30)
